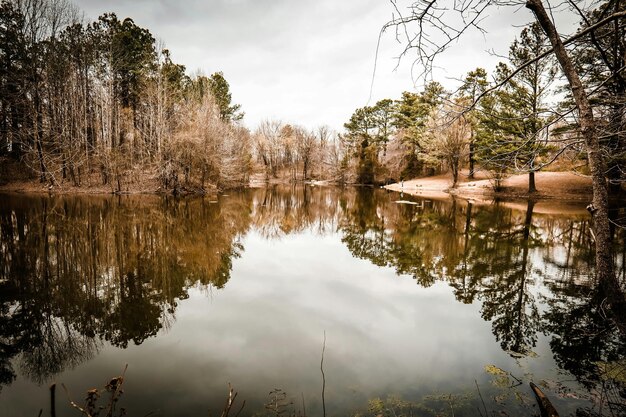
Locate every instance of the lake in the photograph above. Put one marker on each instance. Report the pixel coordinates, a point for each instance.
(422, 307)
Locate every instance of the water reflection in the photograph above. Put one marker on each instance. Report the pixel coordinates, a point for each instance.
(76, 273)
(490, 253)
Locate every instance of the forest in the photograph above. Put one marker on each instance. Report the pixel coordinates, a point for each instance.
(103, 104)
(103, 99)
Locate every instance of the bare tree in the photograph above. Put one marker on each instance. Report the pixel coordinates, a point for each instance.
(450, 141)
(306, 147)
(268, 141)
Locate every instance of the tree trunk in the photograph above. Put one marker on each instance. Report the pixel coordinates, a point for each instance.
(616, 144)
(531, 182)
(454, 163)
(528, 221)
(600, 204)
(471, 157)
(38, 134)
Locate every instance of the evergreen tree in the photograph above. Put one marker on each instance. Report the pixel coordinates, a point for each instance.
(601, 57)
(220, 89)
(368, 131)
(413, 113)
(514, 135)
(382, 116)
(474, 85)
(12, 57)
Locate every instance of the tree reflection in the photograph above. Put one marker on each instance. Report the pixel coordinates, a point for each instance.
(507, 300)
(494, 254)
(409, 237)
(497, 255)
(76, 271)
(281, 210)
(436, 240)
(588, 338)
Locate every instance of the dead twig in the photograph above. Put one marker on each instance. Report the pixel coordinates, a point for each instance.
(73, 404)
(323, 377)
(481, 399)
(230, 402)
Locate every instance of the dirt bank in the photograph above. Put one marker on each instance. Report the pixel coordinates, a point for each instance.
(550, 185)
(14, 178)
(92, 185)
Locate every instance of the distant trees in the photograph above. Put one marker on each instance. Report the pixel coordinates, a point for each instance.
(474, 85)
(502, 131)
(413, 125)
(268, 147)
(104, 103)
(450, 143)
(206, 149)
(300, 153)
(368, 132)
(81, 101)
(414, 113)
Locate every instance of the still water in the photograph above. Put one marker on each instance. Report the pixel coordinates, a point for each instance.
(426, 306)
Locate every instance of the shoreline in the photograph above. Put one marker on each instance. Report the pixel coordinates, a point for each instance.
(551, 186)
(561, 187)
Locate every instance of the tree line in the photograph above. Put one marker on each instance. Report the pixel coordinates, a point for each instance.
(51, 304)
(518, 119)
(554, 98)
(103, 103)
(105, 99)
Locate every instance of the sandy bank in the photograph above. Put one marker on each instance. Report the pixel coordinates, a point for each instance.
(550, 185)
(557, 192)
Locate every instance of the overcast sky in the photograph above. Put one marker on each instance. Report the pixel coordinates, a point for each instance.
(305, 62)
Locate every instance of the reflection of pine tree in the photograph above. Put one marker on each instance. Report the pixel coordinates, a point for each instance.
(507, 301)
(463, 280)
(364, 227)
(484, 254)
(583, 334)
(587, 338)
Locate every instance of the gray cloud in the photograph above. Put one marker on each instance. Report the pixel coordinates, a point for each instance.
(305, 62)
